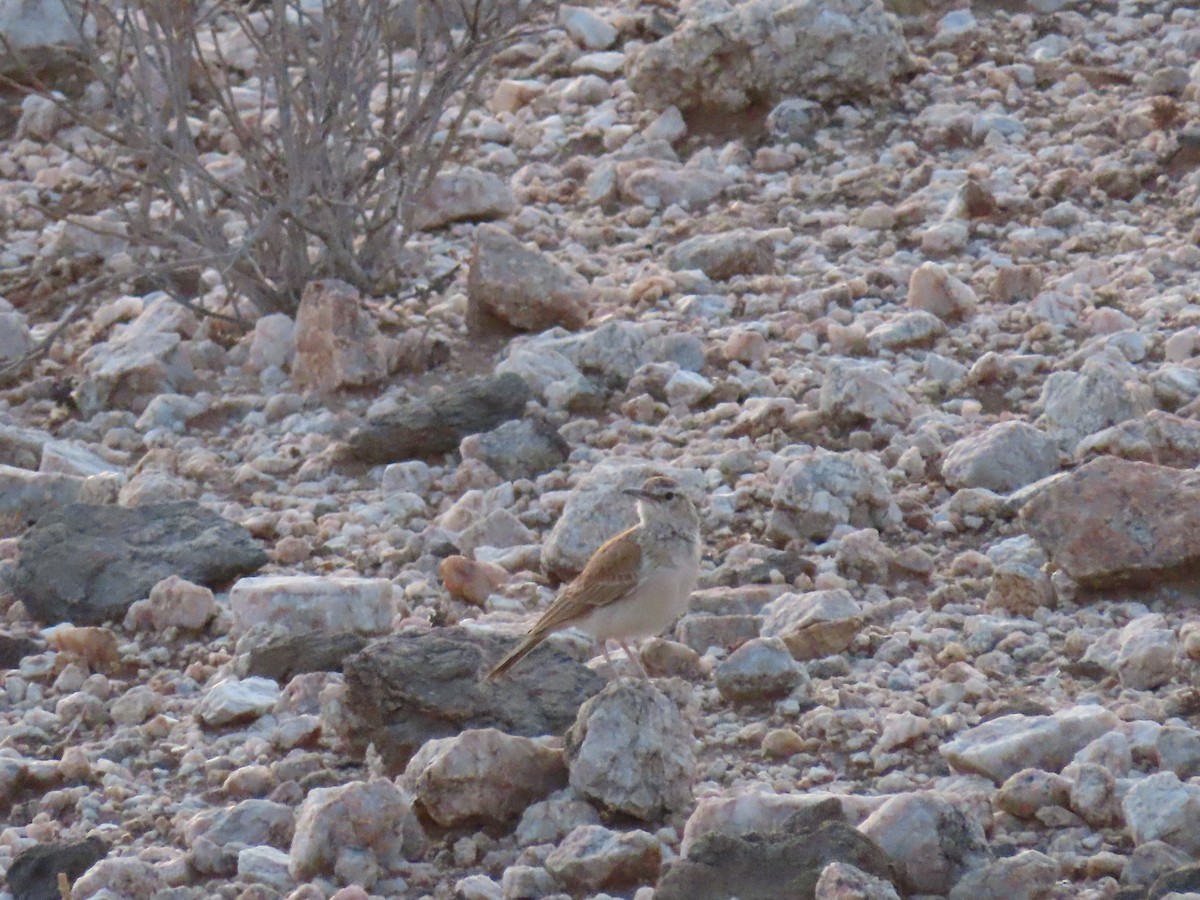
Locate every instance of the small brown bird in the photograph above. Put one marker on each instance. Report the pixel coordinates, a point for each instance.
(636, 584)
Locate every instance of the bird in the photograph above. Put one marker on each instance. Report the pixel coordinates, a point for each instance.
(635, 585)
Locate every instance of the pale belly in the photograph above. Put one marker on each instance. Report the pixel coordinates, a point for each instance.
(662, 599)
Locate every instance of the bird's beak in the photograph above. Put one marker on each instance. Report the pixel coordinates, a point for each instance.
(637, 492)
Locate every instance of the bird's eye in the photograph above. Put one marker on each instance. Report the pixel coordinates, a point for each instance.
(669, 495)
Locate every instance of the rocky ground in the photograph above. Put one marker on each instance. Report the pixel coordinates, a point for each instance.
(908, 305)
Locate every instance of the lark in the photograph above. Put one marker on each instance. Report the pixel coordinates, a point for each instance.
(636, 584)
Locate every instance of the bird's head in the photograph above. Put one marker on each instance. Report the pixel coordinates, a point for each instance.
(661, 497)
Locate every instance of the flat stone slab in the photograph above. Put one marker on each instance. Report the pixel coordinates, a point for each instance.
(406, 689)
(87, 564)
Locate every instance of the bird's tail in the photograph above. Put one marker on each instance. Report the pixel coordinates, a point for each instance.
(523, 649)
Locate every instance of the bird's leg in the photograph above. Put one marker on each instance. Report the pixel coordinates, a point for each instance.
(637, 663)
(604, 650)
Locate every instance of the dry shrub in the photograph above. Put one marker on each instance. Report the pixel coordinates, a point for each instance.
(255, 148)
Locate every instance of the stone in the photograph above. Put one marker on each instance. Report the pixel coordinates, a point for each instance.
(28, 496)
(267, 866)
(933, 289)
(842, 881)
(932, 842)
(215, 837)
(1150, 861)
(1178, 750)
(306, 603)
(366, 826)
(813, 625)
(595, 511)
(593, 858)
(1181, 884)
(914, 329)
(782, 861)
(96, 647)
(128, 371)
(483, 777)
(722, 256)
(411, 687)
(660, 185)
(823, 489)
(1020, 583)
(337, 343)
(856, 393)
(173, 603)
(523, 448)
(88, 564)
(464, 195)
(1002, 458)
(65, 458)
(687, 389)
(1160, 807)
(632, 752)
(34, 872)
(1004, 746)
(1094, 795)
(1104, 392)
(1112, 521)
(273, 343)
(1030, 875)
(1157, 437)
(234, 701)
(512, 287)
(795, 120)
(586, 28)
(1029, 790)
(471, 580)
(549, 821)
(126, 877)
(761, 669)
(1146, 653)
(434, 425)
(701, 631)
(282, 658)
(15, 339)
(136, 705)
(727, 57)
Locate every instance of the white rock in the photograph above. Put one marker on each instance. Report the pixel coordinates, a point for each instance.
(338, 826)
(815, 624)
(823, 489)
(932, 288)
(1105, 391)
(631, 751)
(234, 701)
(124, 877)
(586, 28)
(932, 841)
(306, 603)
(1163, 808)
(687, 389)
(855, 393)
(483, 776)
(1004, 746)
(173, 602)
(273, 342)
(265, 865)
(1146, 655)
(1002, 458)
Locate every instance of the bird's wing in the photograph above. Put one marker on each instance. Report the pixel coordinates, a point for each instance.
(608, 576)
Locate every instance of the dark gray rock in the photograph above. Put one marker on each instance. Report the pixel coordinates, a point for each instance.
(15, 649)
(87, 564)
(284, 658)
(782, 863)
(34, 873)
(1184, 880)
(406, 689)
(435, 425)
(521, 449)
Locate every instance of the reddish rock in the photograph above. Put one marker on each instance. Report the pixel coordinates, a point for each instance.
(337, 342)
(514, 287)
(1118, 521)
(471, 580)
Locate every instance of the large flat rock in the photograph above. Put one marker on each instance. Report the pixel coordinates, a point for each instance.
(1114, 521)
(406, 689)
(87, 564)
